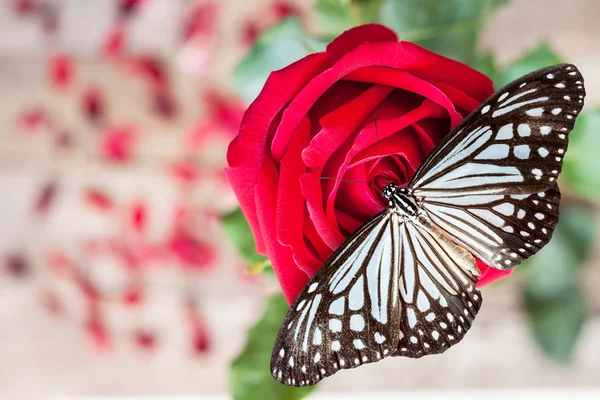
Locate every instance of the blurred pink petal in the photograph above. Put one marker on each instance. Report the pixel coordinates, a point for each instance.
(144, 339)
(16, 265)
(199, 332)
(185, 172)
(129, 7)
(98, 199)
(63, 140)
(32, 119)
(250, 33)
(98, 336)
(52, 303)
(24, 7)
(284, 9)
(138, 215)
(200, 21)
(49, 16)
(58, 262)
(61, 70)
(116, 144)
(92, 104)
(227, 111)
(152, 70)
(191, 252)
(46, 198)
(133, 296)
(114, 41)
(164, 104)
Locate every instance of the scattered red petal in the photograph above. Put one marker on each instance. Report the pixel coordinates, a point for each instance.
(98, 199)
(16, 265)
(52, 303)
(164, 104)
(92, 104)
(116, 144)
(129, 7)
(144, 339)
(185, 173)
(98, 336)
(61, 70)
(226, 110)
(191, 252)
(201, 20)
(49, 16)
(139, 213)
(24, 8)
(45, 198)
(250, 33)
(133, 296)
(63, 140)
(88, 289)
(32, 119)
(283, 10)
(58, 262)
(114, 42)
(152, 70)
(200, 337)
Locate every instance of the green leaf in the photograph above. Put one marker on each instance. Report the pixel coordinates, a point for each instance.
(486, 64)
(449, 27)
(541, 56)
(554, 269)
(556, 322)
(249, 375)
(278, 47)
(582, 160)
(238, 232)
(333, 17)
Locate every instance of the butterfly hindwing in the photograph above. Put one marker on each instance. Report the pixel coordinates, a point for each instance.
(349, 312)
(503, 161)
(438, 291)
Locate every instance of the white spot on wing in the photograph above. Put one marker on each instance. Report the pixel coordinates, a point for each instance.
(506, 132)
(522, 151)
(524, 130)
(357, 323)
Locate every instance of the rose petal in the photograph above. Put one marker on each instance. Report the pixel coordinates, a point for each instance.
(490, 275)
(246, 152)
(354, 37)
(290, 203)
(292, 280)
(409, 59)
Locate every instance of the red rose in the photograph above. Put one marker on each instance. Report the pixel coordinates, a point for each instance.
(315, 118)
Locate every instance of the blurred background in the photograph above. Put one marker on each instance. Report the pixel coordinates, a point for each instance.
(116, 273)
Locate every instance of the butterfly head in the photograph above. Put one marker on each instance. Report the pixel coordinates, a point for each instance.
(400, 199)
(389, 190)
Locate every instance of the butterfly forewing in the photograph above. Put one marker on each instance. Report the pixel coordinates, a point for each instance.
(491, 184)
(438, 291)
(349, 313)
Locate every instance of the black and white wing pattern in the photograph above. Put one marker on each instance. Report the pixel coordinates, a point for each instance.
(491, 183)
(395, 287)
(438, 290)
(349, 313)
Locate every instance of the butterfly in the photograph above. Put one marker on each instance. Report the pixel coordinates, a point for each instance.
(404, 283)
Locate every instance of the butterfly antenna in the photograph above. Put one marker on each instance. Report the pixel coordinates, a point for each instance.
(380, 153)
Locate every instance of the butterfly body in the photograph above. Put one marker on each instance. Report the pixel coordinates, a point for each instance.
(404, 283)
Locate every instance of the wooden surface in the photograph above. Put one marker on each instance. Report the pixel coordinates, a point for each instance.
(42, 357)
